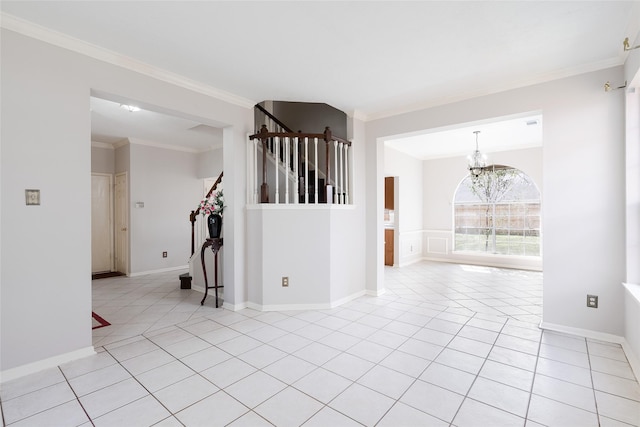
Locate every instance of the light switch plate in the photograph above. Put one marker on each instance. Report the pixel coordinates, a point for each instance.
(32, 197)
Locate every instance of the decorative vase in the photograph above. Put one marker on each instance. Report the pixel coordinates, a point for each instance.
(214, 221)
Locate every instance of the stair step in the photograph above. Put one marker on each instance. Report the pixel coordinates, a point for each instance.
(185, 281)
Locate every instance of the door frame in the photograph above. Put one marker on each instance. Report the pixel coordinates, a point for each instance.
(117, 244)
(111, 219)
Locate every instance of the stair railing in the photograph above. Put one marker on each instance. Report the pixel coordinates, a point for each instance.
(193, 216)
(295, 165)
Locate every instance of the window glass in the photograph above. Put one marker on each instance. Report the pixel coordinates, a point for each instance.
(498, 212)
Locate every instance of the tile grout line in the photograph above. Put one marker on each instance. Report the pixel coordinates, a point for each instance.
(466, 396)
(77, 397)
(533, 380)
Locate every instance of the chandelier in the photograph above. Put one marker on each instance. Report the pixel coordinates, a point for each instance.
(477, 161)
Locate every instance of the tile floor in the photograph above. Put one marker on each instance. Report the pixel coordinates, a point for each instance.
(447, 345)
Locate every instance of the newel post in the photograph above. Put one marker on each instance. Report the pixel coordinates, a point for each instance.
(328, 188)
(192, 218)
(264, 188)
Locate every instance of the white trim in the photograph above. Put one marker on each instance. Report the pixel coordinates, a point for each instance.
(40, 365)
(634, 289)
(315, 306)
(160, 270)
(601, 336)
(235, 307)
(585, 333)
(633, 359)
(105, 145)
(136, 141)
(377, 293)
(121, 143)
(56, 38)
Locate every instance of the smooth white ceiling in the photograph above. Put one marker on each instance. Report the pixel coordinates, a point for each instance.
(369, 59)
(505, 134)
(111, 124)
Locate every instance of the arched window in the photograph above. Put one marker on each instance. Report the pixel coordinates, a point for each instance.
(498, 212)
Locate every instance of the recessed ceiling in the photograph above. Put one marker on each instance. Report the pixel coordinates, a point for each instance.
(111, 124)
(503, 135)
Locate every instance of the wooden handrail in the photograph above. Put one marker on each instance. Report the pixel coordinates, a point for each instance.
(326, 135)
(193, 216)
(264, 136)
(274, 118)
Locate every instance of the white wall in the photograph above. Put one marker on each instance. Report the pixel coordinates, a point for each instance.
(103, 160)
(409, 207)
(46, 145)
(165, 181)
(316, 247)
(293, 242)
(408, 170)
(209, 163)
(632, 293)
(583, 213)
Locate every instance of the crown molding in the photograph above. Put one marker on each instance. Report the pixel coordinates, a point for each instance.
(35, 31)
(105, 145)
(136, 141)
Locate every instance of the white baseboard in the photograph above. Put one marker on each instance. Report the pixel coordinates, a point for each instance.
(235, 307)
(40, 365)
(377, 293)
(405, 262)
(298, 307)
(601, 336)
(161, 270)
(633, 359)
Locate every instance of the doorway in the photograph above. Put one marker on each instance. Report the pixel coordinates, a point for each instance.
(101, 223)
(122, 224)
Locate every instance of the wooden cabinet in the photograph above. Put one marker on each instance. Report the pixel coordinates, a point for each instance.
(388, 246)
(389, 192)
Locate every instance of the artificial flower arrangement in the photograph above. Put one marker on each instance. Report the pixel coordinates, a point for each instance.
(214, 204)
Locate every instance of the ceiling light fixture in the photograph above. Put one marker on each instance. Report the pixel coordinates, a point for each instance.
(608, 88)
(477, 161)
(626, 45)
(129, 108)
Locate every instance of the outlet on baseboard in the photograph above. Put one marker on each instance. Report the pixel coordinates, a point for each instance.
(164, 254)
(285, 281)
(592, 301)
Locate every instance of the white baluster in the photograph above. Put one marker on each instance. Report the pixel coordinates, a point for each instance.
(287, 148)
(335, 170)
(346, 174)
(315, 159)
(255, 169)
(296, 183)
(306, 170)
(276, 142)
(341, 153)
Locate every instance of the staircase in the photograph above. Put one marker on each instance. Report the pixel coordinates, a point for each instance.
(197, 238)
(312, 167)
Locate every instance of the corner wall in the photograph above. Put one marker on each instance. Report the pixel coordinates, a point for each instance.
(45, 250)
(583, 213)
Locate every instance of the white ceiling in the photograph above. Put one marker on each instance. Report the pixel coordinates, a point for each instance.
(111, 124)
(512, 133)
(369, 59)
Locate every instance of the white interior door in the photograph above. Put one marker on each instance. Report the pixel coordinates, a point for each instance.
(101, 223)
(122, 223)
